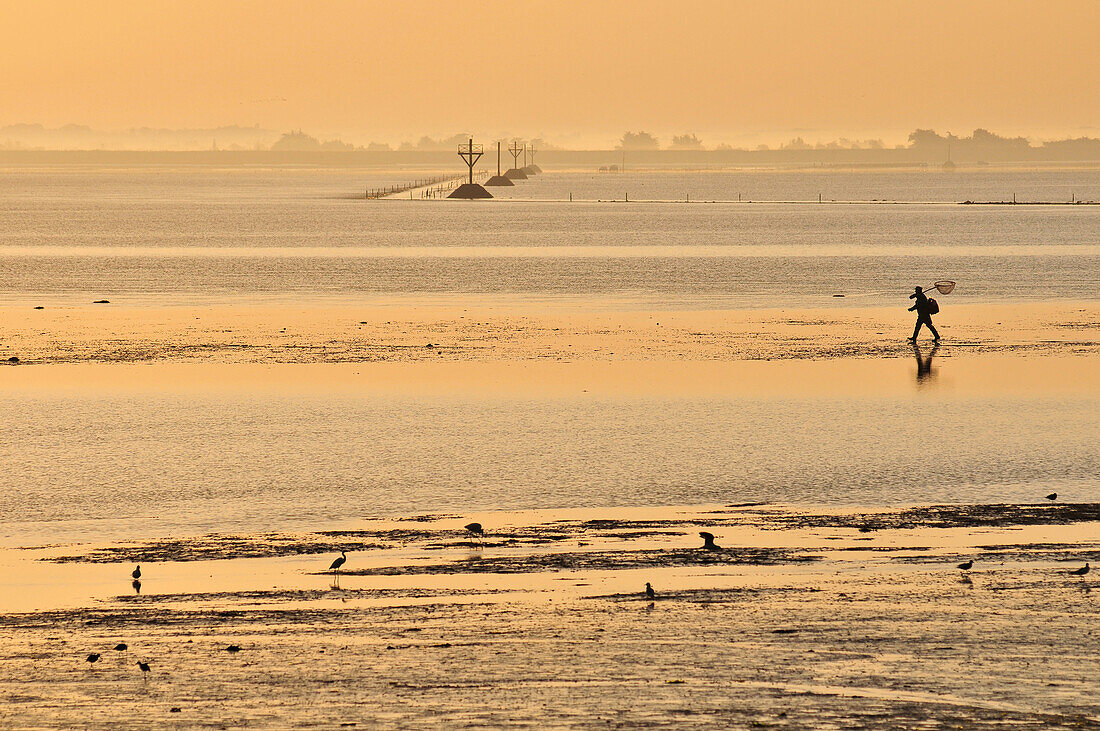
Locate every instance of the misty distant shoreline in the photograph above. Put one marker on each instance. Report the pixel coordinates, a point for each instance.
(636, 159)
(244, 145)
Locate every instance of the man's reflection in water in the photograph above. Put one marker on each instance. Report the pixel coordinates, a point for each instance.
(924, 365)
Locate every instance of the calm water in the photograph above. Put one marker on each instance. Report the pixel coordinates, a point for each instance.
(122, 460)
(283, 234)
(165, 464)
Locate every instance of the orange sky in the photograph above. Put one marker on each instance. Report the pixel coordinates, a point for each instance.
(573, 72)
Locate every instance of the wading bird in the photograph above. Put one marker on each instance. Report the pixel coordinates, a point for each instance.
(121, 647)
(144, 669)
(136, 573)
(335, 566)
(1081, 571)
(708, 541)
(1052, 496)
(649, 593)
(92, 658)
(967, 565)
(233, 648)
(475, 529)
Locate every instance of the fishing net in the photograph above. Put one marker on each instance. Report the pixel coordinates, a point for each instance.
(944, 287)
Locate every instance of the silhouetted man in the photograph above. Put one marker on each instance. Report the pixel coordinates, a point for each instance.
(924, 317)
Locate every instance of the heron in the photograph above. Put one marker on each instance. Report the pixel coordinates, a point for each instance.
(92, 658)
(1052, 496)
(122, 647)
(335, 567)
(649, 593)
(1081, 571)
(708, 541)
(136, 573)
(967, 565)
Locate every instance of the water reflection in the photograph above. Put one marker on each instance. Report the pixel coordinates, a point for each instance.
(925, 375)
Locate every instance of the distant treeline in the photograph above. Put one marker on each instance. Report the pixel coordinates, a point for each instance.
(640, 149)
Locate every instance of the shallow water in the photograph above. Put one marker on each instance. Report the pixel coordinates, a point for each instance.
(100, 450)
(184, 235)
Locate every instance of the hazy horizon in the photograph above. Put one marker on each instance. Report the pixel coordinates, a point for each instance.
(574, 74)
(82, 138)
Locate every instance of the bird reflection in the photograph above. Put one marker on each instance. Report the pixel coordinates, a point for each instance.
(924, 365)
(137, 586)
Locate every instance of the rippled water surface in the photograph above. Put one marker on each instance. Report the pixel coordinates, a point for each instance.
(261, 234)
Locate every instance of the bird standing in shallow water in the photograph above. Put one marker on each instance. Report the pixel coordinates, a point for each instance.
(1052, 496)
(1081, 571)
(121, 647)
(144, 669)
(334, 567)
(475, 529)
(92, 658)
(136, 573)
(708, 541)
(967, 565)
(649, 593)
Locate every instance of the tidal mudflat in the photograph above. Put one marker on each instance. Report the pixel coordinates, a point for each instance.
(802, 617)
(232, 384)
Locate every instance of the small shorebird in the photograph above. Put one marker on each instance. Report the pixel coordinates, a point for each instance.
(708, 541)
(649, 593)
(136, 573)
(1052, 496)
(144, 670)
(122, 647)
(1081, 571)
(475, 529)
(92, 658)
(967, 565)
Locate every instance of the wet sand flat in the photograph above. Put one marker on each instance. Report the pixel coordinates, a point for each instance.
(474, 331)
(875, 629)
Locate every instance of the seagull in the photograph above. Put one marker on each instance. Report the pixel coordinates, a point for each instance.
(649, 593)
(92, 658)
(144, 669)
(121, 647)
(708, 541)
(136, 573)
(1052, 496)
(1081, 571)
(339, 562)
(475, 529)
(967, 565)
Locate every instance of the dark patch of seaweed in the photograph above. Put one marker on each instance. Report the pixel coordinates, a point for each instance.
(596, 561)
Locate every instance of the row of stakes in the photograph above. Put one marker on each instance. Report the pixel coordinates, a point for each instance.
(372, 193)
